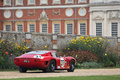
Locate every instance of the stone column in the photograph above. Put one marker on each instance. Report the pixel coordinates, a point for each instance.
(54, 41)
(91, 23)
(105, 24)
(119, 46)
(28, 39)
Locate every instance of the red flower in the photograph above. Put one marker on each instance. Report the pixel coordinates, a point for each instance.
(6, 53)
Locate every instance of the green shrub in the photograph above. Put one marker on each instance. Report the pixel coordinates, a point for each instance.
(9, 49)
(95, 45)
(110, 60)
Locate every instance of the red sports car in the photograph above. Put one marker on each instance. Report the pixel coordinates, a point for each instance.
(47, 61)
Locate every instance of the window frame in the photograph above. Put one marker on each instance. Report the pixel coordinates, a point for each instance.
(18, 26)
(31, 3)
(68, 2)
(84, 27)
(30, 28)
(42, 28)
(5, 4)
(80, 1)
(67, 28)
(114, 31)
(101, 27)
(19, 3)
(56, 3)
(57, 30)
(43, 3)
(6, 28)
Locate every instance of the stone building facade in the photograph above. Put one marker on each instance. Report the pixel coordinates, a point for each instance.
(105, 18)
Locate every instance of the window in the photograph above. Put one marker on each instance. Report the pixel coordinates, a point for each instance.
(7, 28)
(19, 13)
(7, 2)
(56, 1)
(82, 28)
(19, 2)
(82, 1)
(7, 14)
(82, 12)
(44, 28)
(31, 1)
(54, 54)
(57, 28)
(114, 29)
(69, 28)
(32, 28)
(69, 12)
(98, 29)
(69, 1)
(20, 28)
(43, 1)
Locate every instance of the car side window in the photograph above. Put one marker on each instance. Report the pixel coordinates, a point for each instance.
(54, 54)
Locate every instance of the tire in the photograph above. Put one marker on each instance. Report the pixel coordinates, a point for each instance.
(51, 67)
(22, 69)
(72, 66)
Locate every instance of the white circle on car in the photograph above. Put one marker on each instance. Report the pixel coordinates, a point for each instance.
(69, 12)
(7, 14)
(19, 13)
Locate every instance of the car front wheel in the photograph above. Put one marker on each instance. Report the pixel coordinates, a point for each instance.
(72, 66)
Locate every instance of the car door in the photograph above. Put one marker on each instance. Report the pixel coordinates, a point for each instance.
(64, 62)
(61, 62)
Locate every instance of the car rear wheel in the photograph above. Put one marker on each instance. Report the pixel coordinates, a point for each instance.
(22, 69)
(51, 67)
(72, 66)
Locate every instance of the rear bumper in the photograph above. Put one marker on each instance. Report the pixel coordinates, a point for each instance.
(31, 63)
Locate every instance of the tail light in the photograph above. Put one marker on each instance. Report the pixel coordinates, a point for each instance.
(16, 60)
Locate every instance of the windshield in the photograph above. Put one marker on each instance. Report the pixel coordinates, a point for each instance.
(37, 52)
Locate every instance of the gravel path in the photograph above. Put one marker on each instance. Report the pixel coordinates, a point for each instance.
(57, 73)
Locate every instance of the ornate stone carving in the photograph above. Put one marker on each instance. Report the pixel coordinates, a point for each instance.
(114, 14)
(98, 18)
(31, 13)
(43, 15)
(56, 12)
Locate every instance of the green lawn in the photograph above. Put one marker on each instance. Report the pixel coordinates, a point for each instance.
(116, 77)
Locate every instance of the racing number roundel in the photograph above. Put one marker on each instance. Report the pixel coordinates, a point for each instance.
(62, 61)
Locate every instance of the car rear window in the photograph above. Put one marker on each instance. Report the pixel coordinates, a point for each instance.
(37, 52)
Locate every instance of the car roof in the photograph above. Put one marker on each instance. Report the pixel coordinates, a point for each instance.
(39, 52)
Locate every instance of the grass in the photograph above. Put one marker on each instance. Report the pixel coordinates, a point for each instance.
(115, 77)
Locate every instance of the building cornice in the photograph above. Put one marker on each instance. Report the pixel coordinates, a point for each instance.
(103, 4)
(43, 7)
(104, 8)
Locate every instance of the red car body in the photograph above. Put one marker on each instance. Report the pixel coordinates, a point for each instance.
(48, 61)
